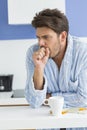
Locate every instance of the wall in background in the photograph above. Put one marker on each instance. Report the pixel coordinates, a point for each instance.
(13, 31)
(75, 11)
(13, 60)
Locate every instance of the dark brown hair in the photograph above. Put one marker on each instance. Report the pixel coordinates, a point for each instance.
(51, 18)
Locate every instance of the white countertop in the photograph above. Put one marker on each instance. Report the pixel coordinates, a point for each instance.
(25, 117)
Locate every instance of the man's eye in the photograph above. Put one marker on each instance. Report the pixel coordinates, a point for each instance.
(46, 37)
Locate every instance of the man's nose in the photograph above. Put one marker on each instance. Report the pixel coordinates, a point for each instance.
(41, 42)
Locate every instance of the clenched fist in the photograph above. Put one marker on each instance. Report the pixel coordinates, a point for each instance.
(41, 56)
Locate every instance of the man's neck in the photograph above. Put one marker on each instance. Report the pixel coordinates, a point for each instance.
(58, 59)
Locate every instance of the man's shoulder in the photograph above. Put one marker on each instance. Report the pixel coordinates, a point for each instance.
(79, 47)
(80, 42)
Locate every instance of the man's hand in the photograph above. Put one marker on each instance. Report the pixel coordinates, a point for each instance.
(40, 57)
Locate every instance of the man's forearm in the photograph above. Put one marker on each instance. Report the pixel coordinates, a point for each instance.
(38, 79)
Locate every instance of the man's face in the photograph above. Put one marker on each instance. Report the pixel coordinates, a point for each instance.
(47, 38)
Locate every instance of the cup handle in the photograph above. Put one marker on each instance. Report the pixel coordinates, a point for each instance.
(46, 102)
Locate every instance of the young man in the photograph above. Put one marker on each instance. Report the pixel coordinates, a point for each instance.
(57, 64)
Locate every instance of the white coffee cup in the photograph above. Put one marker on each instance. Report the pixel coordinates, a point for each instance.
(56, 105)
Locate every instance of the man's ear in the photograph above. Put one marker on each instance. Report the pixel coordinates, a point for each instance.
(63, 36)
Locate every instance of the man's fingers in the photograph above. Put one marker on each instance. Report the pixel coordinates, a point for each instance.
(47, 52)
(41, 53)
